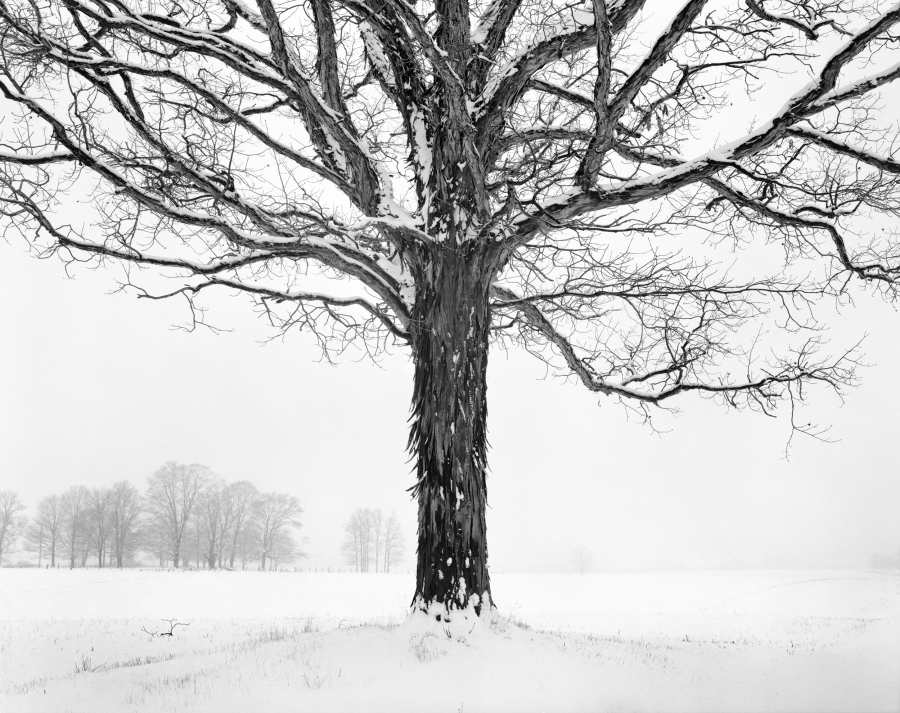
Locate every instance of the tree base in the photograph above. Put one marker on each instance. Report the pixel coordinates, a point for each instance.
(475, 608)
(452, 622)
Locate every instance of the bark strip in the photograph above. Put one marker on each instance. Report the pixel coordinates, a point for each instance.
(451, 324)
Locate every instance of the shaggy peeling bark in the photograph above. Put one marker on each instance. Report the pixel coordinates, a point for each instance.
(450, 327)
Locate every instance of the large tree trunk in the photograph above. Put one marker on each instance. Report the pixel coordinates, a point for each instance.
(451, 323)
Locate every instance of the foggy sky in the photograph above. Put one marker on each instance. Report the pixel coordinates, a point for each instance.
(98, 387)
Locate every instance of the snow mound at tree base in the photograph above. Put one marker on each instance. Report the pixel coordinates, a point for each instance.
(435, 633)
(459, 624)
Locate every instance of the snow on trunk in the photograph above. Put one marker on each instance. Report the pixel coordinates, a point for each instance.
(451, 321)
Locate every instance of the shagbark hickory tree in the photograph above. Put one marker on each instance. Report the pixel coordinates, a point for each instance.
(557, 174)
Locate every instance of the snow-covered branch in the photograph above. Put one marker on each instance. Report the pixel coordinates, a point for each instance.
(812, 99)
(882, 162)
(682, 373)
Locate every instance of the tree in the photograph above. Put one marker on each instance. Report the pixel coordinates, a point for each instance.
(48, 520)
(582, 558)
(377, 522)
(213, 514)
(86, 541)
(127, 507)
(157, 537)
(12, 522)
(226, 524)
(245, 547)
(285, 549)
(195, 539)
(464, 170)
(361, 539)
(276, 514)
(393, 542)
(352, 547)
(100, 506)
(367, 537)
(172, 492)
(35, 540)
(242, 499)
(74, 539)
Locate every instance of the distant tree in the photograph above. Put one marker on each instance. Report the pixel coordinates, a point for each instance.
(242, 499)
(212, 511)
(12, 522)
(172, 493)
(285, 549)
(351, 545)
(376, 518)
(49, 518)
(100, 506)
(370, 539)
(192, 544)
(87, 540)
(35, 540)
(74, 531)
(357, 545)
(394, 547)
(246, 547)
(155, 538)
(127, 507)
(275, 513)
(582, 558)
(226, 524)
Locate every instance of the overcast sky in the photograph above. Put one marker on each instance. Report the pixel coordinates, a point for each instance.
(98, 387)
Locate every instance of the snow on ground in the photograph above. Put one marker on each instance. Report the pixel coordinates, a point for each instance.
(698, 641)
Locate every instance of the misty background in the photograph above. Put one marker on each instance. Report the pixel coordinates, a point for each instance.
(99, 387)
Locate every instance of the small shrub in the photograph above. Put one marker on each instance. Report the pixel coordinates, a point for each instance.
(426, 647)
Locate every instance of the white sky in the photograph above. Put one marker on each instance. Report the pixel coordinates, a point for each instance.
(97, 387)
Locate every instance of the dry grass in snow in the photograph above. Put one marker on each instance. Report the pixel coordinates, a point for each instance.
(714, 641)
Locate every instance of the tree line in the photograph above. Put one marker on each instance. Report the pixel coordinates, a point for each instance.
(186, 516)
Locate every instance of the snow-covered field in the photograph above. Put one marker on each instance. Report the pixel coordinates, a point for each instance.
(268, 642)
